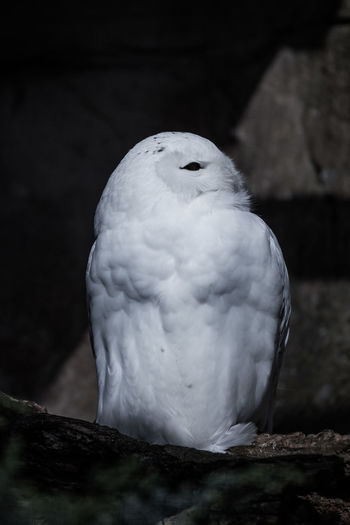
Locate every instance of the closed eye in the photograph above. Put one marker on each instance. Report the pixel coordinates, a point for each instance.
(192, 166)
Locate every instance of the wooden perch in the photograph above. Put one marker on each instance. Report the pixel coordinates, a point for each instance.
(287, 479)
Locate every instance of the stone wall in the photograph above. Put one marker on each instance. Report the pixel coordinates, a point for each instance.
(268, 83)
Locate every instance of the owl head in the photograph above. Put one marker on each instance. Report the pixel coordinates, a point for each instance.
(173, 167)
(188, 164)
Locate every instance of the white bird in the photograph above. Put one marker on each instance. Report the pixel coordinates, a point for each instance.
(188, 299)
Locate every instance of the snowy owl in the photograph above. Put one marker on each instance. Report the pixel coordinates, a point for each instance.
(188, 299)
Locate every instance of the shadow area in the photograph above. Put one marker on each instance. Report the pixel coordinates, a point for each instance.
(314, 234)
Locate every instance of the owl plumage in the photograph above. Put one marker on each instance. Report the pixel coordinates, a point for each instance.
(188, 299)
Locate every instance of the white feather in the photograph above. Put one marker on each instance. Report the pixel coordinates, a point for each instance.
(188, 298)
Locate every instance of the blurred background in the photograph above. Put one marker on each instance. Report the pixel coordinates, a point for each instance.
(268, 82)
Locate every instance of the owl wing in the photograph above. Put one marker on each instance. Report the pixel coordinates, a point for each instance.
(87, 278)
(264, 415)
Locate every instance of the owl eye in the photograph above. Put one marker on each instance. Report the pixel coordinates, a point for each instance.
(192, 166)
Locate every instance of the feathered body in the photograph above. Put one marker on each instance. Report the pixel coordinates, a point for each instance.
(188, 298)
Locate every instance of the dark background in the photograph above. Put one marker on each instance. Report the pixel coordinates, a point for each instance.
(268, 82)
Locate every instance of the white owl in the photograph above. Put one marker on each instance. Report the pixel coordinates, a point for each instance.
(188, 298)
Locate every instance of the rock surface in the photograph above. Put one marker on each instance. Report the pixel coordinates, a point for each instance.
(294, 137)
(282, 479)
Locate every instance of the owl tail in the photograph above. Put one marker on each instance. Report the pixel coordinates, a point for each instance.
(237, 435)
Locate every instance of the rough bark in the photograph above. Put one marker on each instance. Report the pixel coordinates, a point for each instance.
(293, 478)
